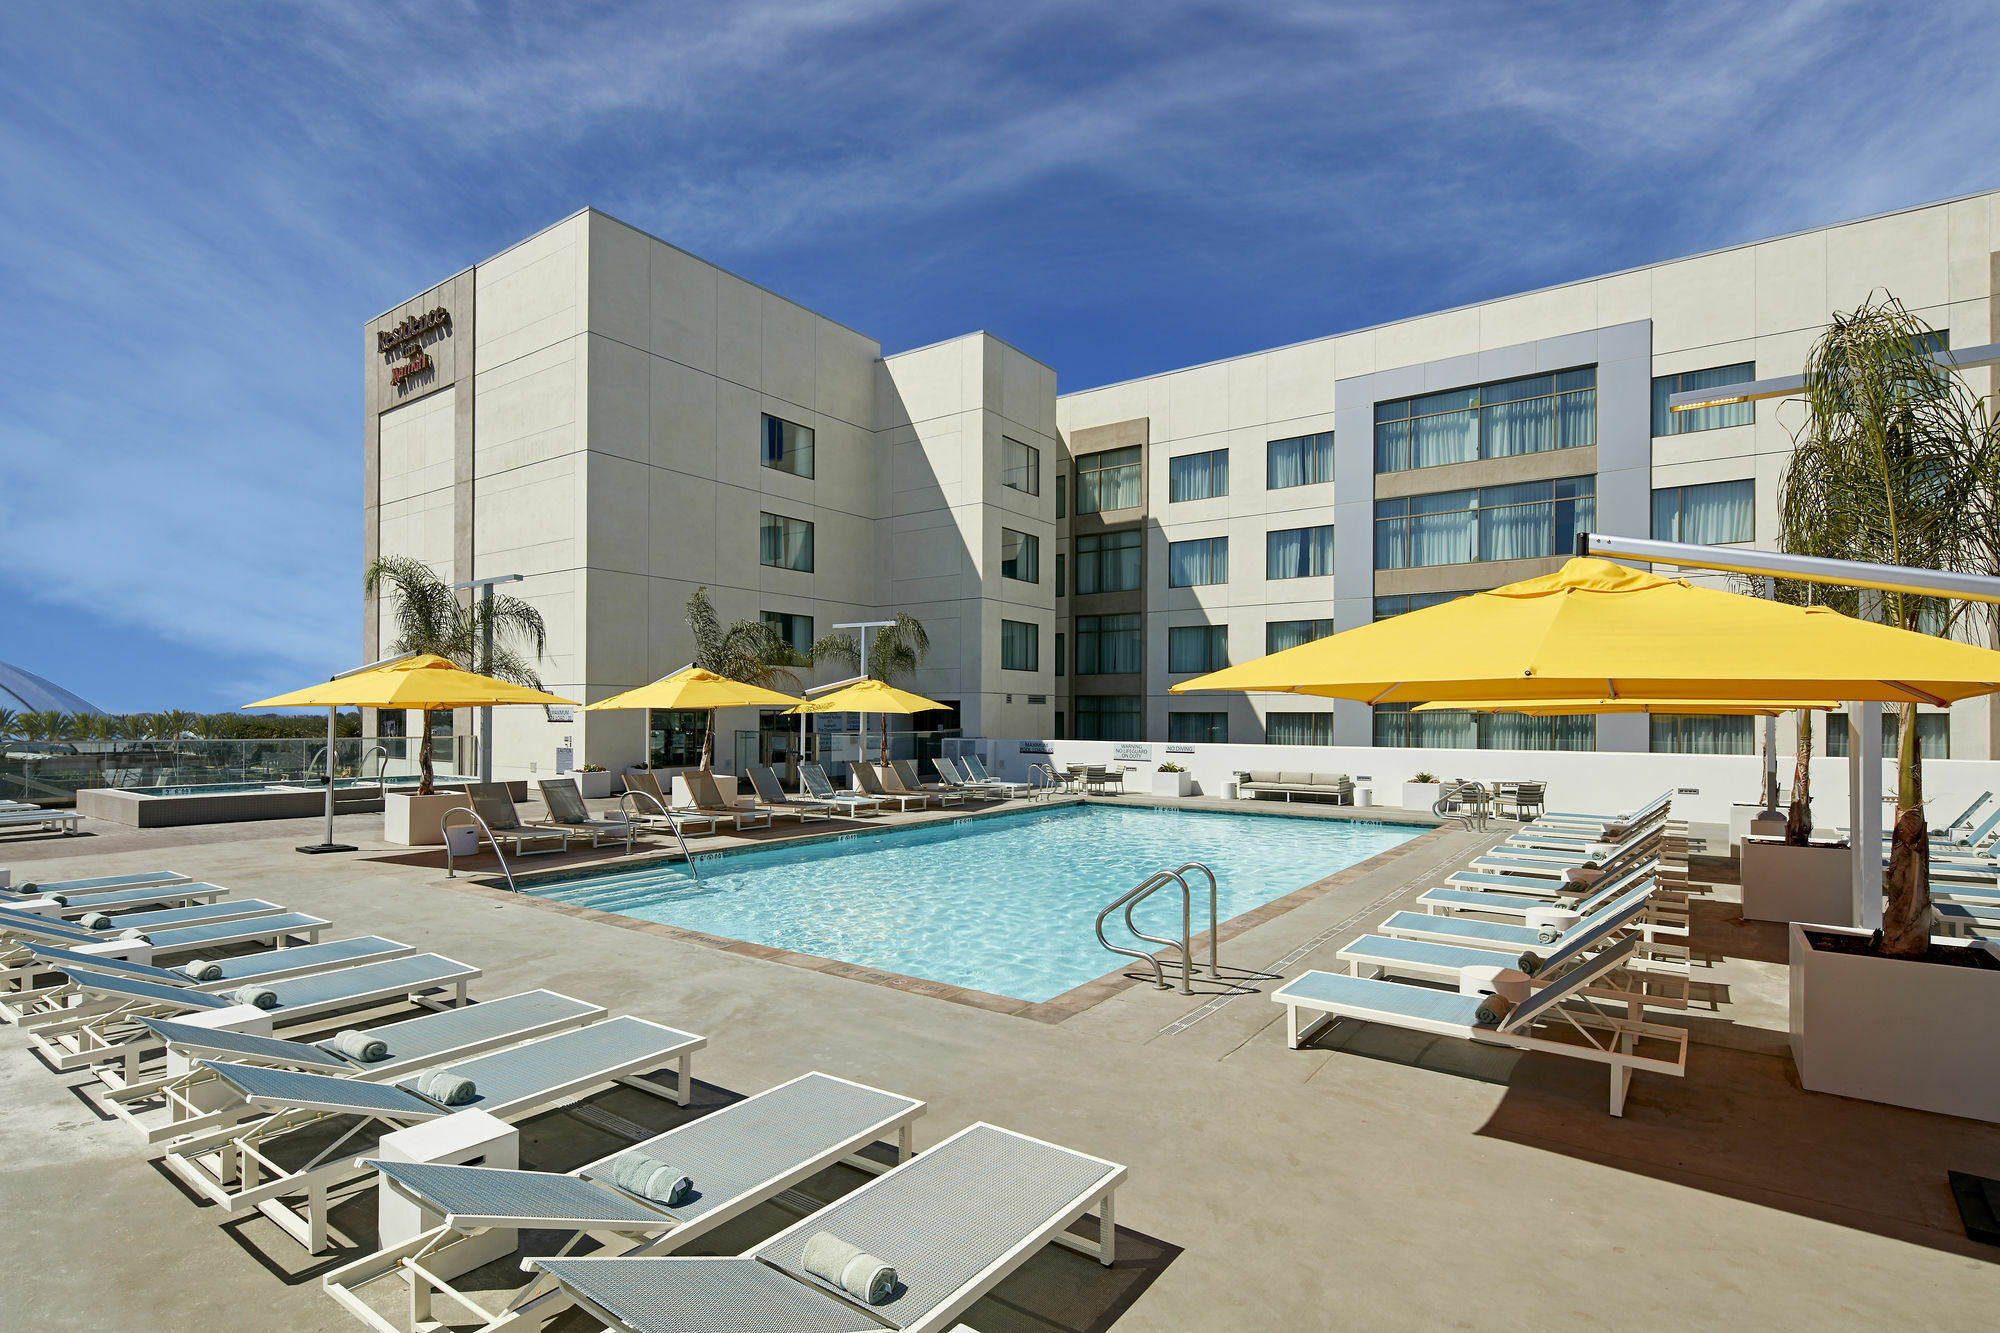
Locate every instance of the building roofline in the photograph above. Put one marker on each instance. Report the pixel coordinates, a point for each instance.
(1537, 291)
(974, 333)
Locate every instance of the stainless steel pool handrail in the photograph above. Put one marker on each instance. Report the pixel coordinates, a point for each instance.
(1130, 899)
(1470, 803)
(381, 774)
(672, 823)
(444, 827)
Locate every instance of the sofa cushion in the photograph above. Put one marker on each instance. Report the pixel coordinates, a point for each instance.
(1335, 780)
(1268, 776)
(1295, 779)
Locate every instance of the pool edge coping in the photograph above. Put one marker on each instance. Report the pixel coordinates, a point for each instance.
(1059, 1009)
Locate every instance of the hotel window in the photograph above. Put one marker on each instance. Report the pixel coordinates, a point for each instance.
(1197, 563)
(795, 630)
(1386, 607)
(1059, 724)
(1198, 728)
(1107, 717)
(1061, 582)
(1303, 461)
(1701, 418)
(1198, 476)
(1197, 647)
(1523, 416)
(1108, 562)
(1298, 728)
(1686, 733)
(1518, 522)
(1020, 556)
(1718, 511)
(788, 446)
(1398, 727)
(1933, 735)
(1062, 495)
(1059, 654)
(1020, 466)
(1108, 645)
(673, 736)
(1298, 553)
(1282, 634)
(786, 543)
(1109, 480)
(1020, 646)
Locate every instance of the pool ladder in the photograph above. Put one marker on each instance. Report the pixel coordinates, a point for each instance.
(1468, 802)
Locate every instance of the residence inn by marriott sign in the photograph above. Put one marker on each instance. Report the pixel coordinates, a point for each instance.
(406, 340)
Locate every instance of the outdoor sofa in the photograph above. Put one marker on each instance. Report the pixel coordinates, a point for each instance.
(1289, 782)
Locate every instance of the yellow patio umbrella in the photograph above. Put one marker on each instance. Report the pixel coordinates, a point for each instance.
(1572, 707)
(866, 696)
(422, 681)
(1597, 630)
(691, 688)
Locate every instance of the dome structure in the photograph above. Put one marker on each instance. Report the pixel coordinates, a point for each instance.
(25, 692)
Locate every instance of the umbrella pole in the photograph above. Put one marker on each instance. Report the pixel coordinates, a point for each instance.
(329, 845)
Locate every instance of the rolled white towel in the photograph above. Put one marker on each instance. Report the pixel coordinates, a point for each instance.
(849, 1267)
(263, 997)
(136, 936)
(1548, 934)
(441, 1085)
(358, 1045)
(650, 1177)
(94, 921)
(203, 969)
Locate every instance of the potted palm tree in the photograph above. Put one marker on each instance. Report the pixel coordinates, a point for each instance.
(1890, 462)
(430, 618)
(751, 651)
(894, 653)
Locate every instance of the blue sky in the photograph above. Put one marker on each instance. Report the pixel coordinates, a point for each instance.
(202, 204)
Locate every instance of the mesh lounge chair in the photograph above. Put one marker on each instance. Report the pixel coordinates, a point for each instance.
(1505, 898)
(771, 793)
(738, 1157)
(854, 803)
(708, 800)
(102, 884)
(901, 775)
(1601, 817)
(285, 1155)
(104, 1029)
(18, 929)
(39, 821)
(976, 771)
(492, 802)
(1542, 1023)
(957, 778)
(954, 1222)
(870, 778)
(119, 900)
(1630, 911)
(567, 811)
(646, 805)
(23, 1005)
(190, 1099)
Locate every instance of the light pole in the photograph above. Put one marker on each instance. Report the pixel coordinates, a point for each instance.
(864, 626)
(333, 711)
(485, 587)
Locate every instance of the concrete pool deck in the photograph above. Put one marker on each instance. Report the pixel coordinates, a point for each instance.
(1378, 1178)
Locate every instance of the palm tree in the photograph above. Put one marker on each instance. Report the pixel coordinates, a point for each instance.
(41, 725)
(894, 653)
(1877, 475)
(431, 619)
(10, 722)
(746, 650)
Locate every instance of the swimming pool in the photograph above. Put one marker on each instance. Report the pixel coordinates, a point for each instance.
(1003, 903)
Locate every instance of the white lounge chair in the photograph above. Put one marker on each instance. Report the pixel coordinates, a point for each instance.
(269, 1164)
(647, 806)
(1507, 895)
(1631, 911)
(1543, 1023)
(870, 778)
(951, 778)
(189, 1098)
(976, 771)
(954, 1222)
(107, 902)
(32, 888)
(494, 804)
(773, 795)
(30, 1001)
(134, 932)
(39, 821)
(707, 798)
(104, 1028)
(737, 1157)
(902, 775)
(567, 811)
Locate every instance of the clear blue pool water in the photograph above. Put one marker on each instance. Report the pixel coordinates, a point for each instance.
(1004, 904)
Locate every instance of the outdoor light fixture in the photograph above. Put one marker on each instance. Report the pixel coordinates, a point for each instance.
(486, 711)
(1785, 386)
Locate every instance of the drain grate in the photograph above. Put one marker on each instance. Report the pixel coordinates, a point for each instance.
(608, 1122)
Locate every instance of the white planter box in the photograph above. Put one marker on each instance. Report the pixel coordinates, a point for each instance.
(1889, 1030)
(1784, 883)
(1172, 784)
(594, 786)
(1421, 795)
(413, 821)
(1743, 823)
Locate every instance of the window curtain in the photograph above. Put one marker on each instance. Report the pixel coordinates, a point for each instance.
(1722, 511)
(1691, 734)
(1516, 531)
(1121, 562)
(1523, 427)
(1285, 464)
(1667, 422)
(1285, 553)
(1392, 446)
(1392, 537)
(1198, 728)
(1448, 534)
(771, 543)
(1298, 729)
(1187, 478)
(1576, 419)
(1194, 563)
(1120, 644)
(1448, 437)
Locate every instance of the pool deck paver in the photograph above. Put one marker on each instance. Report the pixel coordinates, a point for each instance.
(1377, 1179)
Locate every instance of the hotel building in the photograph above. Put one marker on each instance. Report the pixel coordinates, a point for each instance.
(622, 422)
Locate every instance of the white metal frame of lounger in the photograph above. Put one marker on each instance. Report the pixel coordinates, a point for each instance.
(534, 1305)
(1100, 1197)
(191, 1112)
(241, 1161)
(1646, 932)
(1672, 984)
(85, 1042)
(25, 1005)
(1618, 1052)
(144, 879)
(43, 822)
(880, 791)
(17, 956)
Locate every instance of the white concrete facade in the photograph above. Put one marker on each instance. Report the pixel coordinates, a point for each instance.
(592, 415)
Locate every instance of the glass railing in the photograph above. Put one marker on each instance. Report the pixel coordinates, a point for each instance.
(57, 770)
